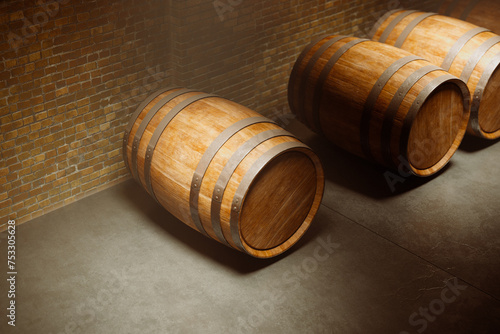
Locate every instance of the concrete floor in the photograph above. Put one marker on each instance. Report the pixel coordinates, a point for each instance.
(425, 258)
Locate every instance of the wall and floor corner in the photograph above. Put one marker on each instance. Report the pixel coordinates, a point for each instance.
(72, 72)
(399, 255)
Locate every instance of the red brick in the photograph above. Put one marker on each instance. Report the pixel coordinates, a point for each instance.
(61, 91)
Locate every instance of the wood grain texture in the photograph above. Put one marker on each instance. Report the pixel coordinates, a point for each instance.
(488, 121)
(484, 13)
(279, 210)
(383, 130)
(434, 39)
(282, 204)
(435, 132)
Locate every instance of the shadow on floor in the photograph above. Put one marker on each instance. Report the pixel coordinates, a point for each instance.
(473, 144)
(362, 176)
(211, 249)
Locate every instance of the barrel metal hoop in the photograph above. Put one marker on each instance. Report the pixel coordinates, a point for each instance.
(295, 69)
(478, 94)
(452, 7)
(388, 30)
(470, 7)
(395, 105)
(477, 56)
(373, 97)
(420, 100)
(309, 68)
(207, 157)
(158, 132)
(458, 46)
(246, 182)
(145, 122)
(409, 28)
(381, 21)
(318, 89)
(134, 117)
(228, 171)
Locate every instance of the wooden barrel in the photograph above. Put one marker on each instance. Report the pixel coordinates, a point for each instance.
(465, 50)
(224, 170)
(484, 13)
(380, 102)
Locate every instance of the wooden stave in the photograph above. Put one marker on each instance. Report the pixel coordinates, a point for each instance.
(293, 145)
(483, 45)
(478, 12)
(293, 90)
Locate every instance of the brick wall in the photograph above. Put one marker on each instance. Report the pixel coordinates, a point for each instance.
(72, 72)
(244, 50)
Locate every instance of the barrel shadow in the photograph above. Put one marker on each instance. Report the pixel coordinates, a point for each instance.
(355, 173)
(206, 247)
(473, 144)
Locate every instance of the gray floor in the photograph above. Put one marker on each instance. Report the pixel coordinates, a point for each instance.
(425, 258)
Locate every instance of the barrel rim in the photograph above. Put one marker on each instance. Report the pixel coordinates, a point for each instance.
(482, 86)
(415, 108)
(372, 98)
(239, 199)
(394, 106)
(207, 158)
(228, 171)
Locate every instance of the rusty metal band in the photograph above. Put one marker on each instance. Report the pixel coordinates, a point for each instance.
(134, 117)
(207, 157)
(478, 94)
(158, 132)
(309, 68)
(477, 56)
(293, 75)
(420, 100)
(228, 171)
(318, 89)
(145, 122)
(470, 7)
(393, 25)
(394, 106)
(381, 21)
(409, 28)
(246, 182)
(458, 46)
(452, 7)
(372, 99)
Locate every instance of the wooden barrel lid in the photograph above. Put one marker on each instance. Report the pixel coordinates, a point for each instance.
(278, 201)
(489, 110)
(436, 127)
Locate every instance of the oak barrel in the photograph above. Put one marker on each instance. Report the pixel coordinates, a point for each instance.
(467, 51)
(224, 170)
(484, 13)
(380, 102)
